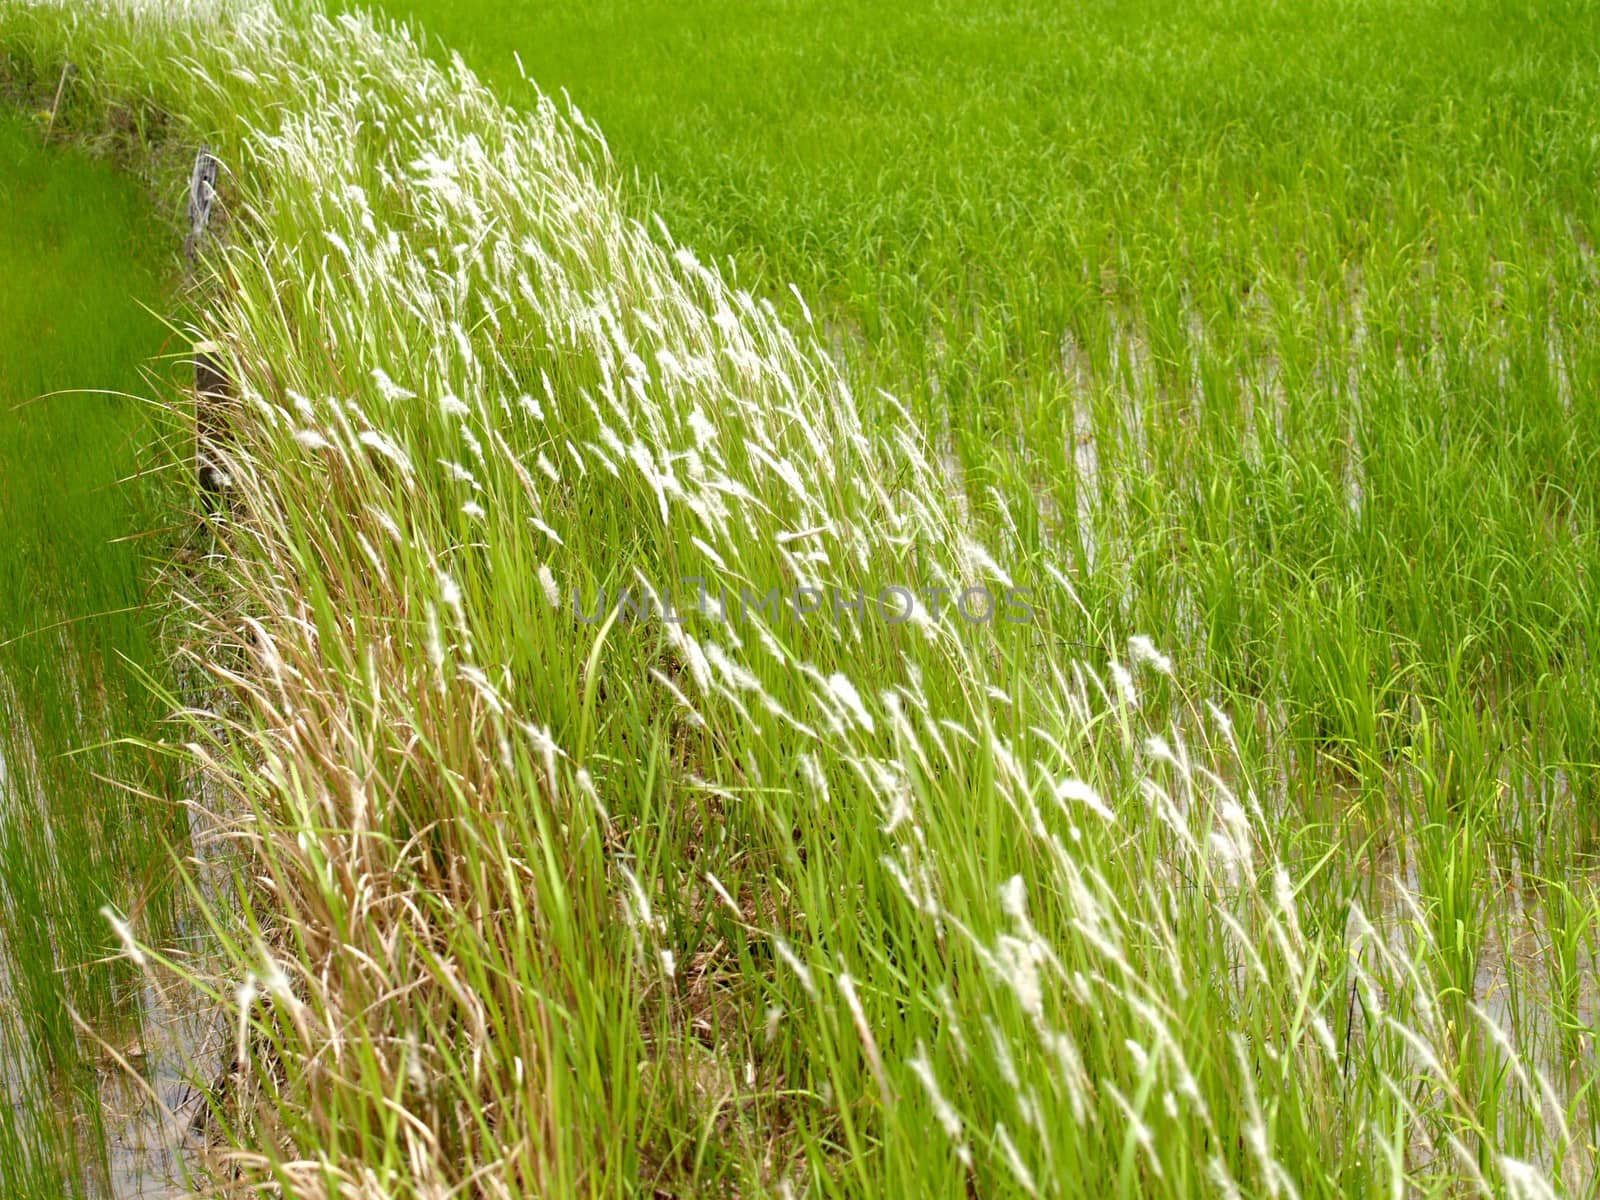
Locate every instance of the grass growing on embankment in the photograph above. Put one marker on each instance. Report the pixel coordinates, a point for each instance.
(834, 905)
(80, 255)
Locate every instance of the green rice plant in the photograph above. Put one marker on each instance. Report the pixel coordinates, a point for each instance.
(1569, 920)
(83, 822)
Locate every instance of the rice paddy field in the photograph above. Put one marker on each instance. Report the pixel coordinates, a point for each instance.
(813, 600)
(78, 657)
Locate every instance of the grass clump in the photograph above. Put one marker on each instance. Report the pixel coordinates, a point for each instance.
(812, 900)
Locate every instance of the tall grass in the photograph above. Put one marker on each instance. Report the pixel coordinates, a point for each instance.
(84, 823)
(821, 902)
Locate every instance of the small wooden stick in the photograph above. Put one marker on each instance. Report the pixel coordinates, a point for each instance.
(213, 392)
(67, 71)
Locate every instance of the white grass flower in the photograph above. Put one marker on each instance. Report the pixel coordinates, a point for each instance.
(1139, 1055)
(1143, 653)
(710, 552)
(639, 909)
(386, 447)
(450, 594)
(1524, 1181)
(1137, 1128)
(1019, 1169)
(699, 665)
(1123, 682)
(274, 980)
(900, 810)
(459, 474)
(546, 530)
(916, 882)
(547, 581)
(784, 537)
(435, 640)
(869, 1045)
(480, 684)
(1079, 792)
(943, 1111)
(1224, 723)
(980, 560)
(1019, 960)
(1158, 749)
(1070, 1065)
(704, 431)
(815, 779)
(792, 961)
(386, 523)
(124, 932)
(735, 677)
(388, 389)
(244, 998)
(1014, 898)
(1226, 852)
(722, 894)
(850, 699)
(695, 719)
(805, 309)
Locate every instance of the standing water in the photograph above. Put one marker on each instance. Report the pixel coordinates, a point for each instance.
(88, 1053)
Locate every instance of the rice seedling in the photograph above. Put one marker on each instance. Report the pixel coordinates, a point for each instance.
(837, 881)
